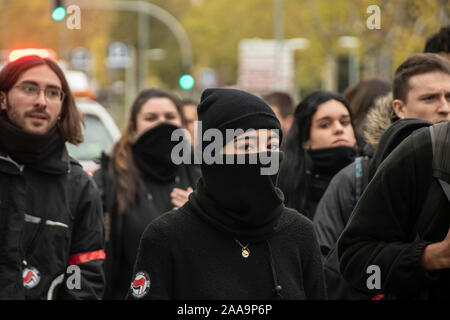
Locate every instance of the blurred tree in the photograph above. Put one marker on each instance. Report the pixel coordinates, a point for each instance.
(29, 24)
(216, 27)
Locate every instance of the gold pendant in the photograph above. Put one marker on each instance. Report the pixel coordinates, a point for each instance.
(245, 253)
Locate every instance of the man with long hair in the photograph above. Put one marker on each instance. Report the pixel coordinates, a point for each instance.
(51, 225)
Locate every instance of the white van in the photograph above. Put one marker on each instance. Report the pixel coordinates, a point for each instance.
(100, 134)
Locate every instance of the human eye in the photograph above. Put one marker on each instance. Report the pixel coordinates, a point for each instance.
(245, 145)
(29, 88)
(170, 116)
(150, 117)
(52, 92)
(324, 125)
(429, 97)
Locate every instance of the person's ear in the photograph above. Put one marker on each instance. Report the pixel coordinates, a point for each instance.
(288, 122)
(399, 108)
(2, 100)
(307, 145)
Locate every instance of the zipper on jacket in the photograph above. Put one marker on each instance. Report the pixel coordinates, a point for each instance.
(8, 159)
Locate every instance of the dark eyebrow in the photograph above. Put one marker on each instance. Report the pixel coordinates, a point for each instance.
(329, 118)
(29, 82)
(36, 84)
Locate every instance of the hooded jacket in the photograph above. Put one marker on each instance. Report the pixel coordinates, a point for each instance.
(393, 223)
(51, 230)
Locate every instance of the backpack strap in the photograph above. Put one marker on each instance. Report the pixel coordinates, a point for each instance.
(361, 176)
(358, 177)
(440, 137)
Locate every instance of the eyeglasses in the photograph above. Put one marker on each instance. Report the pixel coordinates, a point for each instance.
(52, 95)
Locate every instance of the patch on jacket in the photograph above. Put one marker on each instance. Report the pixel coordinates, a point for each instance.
(140, 285)
(31, 277)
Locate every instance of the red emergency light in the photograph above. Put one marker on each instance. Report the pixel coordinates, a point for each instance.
(43, 53)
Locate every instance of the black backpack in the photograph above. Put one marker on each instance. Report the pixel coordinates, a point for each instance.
(338, 288)
(440, 136)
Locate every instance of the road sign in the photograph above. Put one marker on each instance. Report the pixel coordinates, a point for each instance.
(118, 56)
(80, 58)
(265, 65)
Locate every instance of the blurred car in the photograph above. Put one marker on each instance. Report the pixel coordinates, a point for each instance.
(100, 134)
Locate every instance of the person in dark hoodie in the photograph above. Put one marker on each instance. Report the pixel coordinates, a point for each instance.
(234, 238)
(320, 143)
(139, 181)
(384, 131)
(399, 194)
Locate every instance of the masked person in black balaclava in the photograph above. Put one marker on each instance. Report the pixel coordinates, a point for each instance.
(320, 143)
(234, 238)
(139, 182)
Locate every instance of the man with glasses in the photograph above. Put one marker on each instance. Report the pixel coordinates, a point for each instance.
(51, 224)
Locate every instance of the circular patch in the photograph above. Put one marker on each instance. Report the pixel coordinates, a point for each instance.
(140, 284)
(31, 277)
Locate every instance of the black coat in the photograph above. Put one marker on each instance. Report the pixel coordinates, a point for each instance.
(50, 218)
(340, 198)
(125, 230)
(388, 228)
(186, 258)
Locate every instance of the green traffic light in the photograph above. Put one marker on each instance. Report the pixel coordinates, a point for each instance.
(186, 82)
(59, 14)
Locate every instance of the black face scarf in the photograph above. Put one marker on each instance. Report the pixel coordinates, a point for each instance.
(42, 152)
(237, 199)
(152, 152)
(329, 161)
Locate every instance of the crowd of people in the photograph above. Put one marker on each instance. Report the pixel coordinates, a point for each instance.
(357, 207)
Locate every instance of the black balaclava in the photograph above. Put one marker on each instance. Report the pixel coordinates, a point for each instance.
(237, 198)
(329, 161)
(152, 152)
(44, 152)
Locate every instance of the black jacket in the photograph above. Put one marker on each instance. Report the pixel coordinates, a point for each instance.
(184, 257)
(387, 228)
(339, 200)
(125, 230)
(50, 218)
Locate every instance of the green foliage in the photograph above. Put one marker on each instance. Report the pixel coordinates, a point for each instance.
(215, 28)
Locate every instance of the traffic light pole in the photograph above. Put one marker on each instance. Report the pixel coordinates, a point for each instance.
(145, 8)
(143, 45)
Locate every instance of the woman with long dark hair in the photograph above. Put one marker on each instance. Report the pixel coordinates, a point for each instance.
(139, 181)
(320, 143)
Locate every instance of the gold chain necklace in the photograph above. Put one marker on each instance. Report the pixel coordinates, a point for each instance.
(245, 249)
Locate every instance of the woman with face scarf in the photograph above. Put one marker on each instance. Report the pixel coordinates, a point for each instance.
(234, 238)
(320, 143)
(139, 182)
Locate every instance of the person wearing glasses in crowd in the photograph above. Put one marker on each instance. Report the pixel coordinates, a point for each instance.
(51, 225)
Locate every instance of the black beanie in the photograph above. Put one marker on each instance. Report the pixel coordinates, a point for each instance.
(223, 109)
